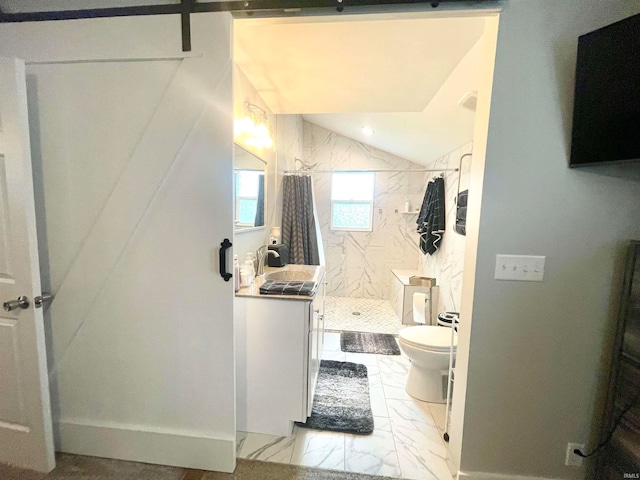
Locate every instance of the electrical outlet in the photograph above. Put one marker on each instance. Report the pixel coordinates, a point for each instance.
(572, 459)
(524, 268)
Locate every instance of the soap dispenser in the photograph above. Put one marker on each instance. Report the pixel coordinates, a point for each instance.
(236, 273)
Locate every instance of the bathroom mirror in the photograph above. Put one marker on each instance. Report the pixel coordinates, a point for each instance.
(249, 177)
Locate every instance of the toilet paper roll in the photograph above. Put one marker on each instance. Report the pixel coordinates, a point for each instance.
(419, 307)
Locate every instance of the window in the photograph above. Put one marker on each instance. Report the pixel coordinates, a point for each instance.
(247, 189)
(352, 201)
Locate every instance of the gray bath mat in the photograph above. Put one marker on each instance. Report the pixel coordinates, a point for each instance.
(341, 402)
(380, 343)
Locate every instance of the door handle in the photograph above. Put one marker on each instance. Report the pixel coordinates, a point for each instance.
(40, 300)
(224, 246)
(22, 302)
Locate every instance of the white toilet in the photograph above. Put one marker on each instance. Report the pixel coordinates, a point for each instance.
(428, 347)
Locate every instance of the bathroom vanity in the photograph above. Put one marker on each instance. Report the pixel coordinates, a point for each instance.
(278, 341)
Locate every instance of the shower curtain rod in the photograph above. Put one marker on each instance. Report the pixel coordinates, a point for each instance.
(373, 170)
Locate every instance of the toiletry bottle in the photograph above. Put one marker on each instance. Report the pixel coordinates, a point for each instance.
(236, 273)
(251, 270)
(244, 275)
(254, 261)
(407, 206)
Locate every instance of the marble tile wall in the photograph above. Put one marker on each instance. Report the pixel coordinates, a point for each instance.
(359, 263)
(446, 265)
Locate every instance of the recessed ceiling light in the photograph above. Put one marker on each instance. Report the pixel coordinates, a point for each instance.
(368, 130)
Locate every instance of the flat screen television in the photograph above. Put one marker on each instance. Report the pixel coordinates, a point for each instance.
(606, 115)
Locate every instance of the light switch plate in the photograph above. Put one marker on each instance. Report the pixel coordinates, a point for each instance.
(523, 268)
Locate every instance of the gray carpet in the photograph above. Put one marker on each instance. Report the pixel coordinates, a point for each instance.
(341, 402)
(362, 342)
(77, 467)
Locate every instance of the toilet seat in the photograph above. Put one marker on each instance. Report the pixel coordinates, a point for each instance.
(428, 337)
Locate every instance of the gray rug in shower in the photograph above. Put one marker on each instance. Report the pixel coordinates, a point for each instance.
(341, 402)
(362, 342)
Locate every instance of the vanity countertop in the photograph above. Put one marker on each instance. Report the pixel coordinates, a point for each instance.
(315, 271)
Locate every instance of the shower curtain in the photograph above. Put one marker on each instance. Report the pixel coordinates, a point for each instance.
(298, 224)
(259, 219)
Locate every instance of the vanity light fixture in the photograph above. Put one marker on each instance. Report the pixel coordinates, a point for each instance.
(368, 131)
(253, 128)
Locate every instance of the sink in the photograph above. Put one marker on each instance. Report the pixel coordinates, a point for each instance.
(289, 275)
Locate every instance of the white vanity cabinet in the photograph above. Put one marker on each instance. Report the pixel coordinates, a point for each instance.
(316, 344)
(279, 343)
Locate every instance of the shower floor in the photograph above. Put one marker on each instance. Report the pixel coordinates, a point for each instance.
(375, 315)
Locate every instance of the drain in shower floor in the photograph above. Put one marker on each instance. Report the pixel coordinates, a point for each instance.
(355, 313)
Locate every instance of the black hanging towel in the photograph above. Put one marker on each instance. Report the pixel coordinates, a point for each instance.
(431, 219)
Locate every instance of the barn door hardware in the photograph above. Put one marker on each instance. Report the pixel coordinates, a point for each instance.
(186, 7)
(185, 18)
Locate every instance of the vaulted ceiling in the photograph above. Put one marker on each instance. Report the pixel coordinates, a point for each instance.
(402, 76)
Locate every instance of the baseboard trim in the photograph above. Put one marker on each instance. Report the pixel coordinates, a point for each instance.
(148, 446)
(495, 476)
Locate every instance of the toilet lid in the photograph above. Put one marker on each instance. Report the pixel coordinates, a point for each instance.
(429, 337)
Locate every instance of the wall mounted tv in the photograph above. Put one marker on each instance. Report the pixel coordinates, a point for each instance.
(606, 116)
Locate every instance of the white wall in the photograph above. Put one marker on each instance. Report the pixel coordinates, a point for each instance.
(244, 91)
(289, 149)
(132, 157)
(359, 263)
(539, 352)
(287, 136)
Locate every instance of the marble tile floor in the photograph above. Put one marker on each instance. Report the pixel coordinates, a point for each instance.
(376, 315)
(407, 439)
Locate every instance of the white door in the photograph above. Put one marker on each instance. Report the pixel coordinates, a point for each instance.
(135, 140)
(25, 416)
